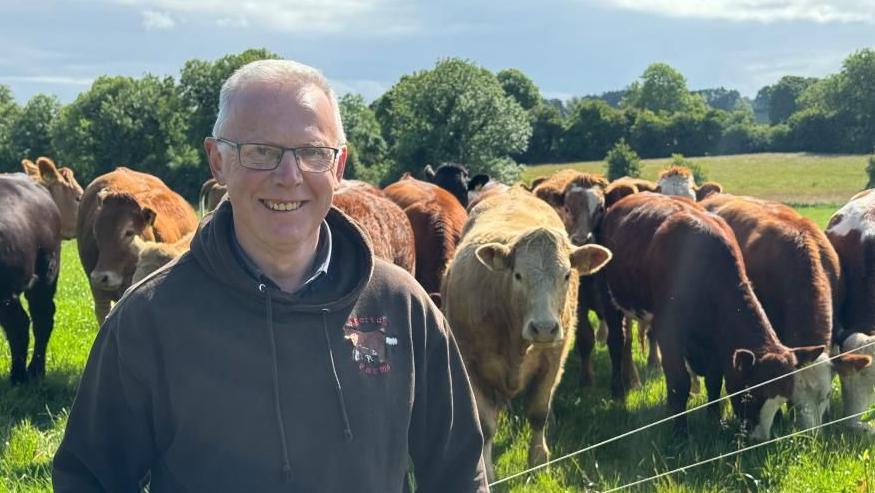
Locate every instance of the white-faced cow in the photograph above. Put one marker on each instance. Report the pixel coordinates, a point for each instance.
(795, 274)
(851, 230)
(510, 296)
(117, 207)
(680, 267)
(33, 212)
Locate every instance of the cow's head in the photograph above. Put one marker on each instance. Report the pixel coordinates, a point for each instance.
(677, 181)
(583, 207)
(539, 266)
(62, 185)
(857, 376)
(757, 407)
(707, 189)
(451, 177)
(119, 220)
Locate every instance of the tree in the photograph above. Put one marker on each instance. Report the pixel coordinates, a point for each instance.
(662, 89)
(547, 128)
(592, 128)
(700, 175)
(650, 135)
(622, 161)
(368, 159)
(722, 99)
(518, 86)
(455, 112)
(140, 123)
(870, 172)
(201, 82)
(783, 96)
(9, 110)
(30, 131)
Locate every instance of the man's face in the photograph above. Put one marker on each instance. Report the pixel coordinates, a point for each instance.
(267, 114)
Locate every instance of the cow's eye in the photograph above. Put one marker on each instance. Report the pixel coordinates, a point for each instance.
(567, 276)
(517, 276)
(129, 233)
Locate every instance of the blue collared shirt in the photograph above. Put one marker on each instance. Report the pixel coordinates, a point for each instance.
(323, 258)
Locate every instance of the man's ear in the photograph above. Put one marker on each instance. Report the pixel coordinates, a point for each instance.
(495, 256)
(340, 167)
(214, 156)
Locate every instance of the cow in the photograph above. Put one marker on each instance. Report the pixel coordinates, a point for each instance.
(678, 181)
(510, 296)
(681, 268)
(382, 220)
(452, 177)
(115, 208)
(795, 273)
(437, 219)
(851, 230)
(212, 192)
(30, 256)
(63, 187)
(152, 255)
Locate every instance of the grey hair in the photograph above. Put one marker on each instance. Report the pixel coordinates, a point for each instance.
(281, 72)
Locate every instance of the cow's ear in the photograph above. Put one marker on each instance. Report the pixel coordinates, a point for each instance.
(476, 183)
(707, 189)
(617, 192)
(495, 256)
(588, 259)
(807, 354)
(47, 170)
(149, 216)
(429, 172)
(849, 364)
(102, 195)
(743, 360)
(30, 168)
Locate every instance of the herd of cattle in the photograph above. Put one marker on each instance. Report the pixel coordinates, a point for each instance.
(730, 288)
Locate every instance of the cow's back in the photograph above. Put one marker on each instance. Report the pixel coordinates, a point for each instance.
(30, 234)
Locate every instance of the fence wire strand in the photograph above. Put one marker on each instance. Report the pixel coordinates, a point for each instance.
(688, 411)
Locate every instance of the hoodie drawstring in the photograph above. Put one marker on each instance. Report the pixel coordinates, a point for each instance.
(347, 431)
(287, 467)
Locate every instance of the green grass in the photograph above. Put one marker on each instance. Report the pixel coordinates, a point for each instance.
(32, 417)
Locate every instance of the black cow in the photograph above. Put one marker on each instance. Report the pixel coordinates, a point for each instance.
(30, 249)
(451, 177)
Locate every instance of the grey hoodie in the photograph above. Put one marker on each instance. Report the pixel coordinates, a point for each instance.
(206, 379)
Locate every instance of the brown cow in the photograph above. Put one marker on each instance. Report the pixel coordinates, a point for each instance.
(117, 207)
(152, 255)
(681, 268)
(510, 296)
(382, 220)
(62, 185)
(851, 230)
(795, 274)
(212, 192)
(437, 219)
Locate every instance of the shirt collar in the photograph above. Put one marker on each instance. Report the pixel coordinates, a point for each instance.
(323, 258)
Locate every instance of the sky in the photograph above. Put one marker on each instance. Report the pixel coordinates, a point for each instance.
(567, 47)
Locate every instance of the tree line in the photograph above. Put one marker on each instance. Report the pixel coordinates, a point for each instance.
(456, 111)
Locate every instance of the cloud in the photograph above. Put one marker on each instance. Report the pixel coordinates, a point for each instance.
(157, 21)
(820, 11)
(369, 89)
(48, 79)
(295, 16)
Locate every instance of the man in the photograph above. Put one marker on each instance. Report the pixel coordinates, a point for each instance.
(278, 354)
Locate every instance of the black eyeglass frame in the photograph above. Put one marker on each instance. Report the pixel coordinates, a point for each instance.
(306, 168)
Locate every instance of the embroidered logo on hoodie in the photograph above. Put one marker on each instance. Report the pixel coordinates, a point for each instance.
(369, 343)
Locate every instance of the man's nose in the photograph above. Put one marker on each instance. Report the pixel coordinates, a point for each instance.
(288, 170)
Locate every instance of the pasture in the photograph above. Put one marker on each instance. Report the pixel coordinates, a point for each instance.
(32, 417)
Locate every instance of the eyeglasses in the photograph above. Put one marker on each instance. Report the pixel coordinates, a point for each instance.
(266, 157)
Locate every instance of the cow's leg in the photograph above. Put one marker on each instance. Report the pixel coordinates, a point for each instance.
(619, 347)
(677, 379)
(538, 402)
(714, 384)
(585, 341)
(16, 324)
(602, 335)
(645, 333)
(487, 409)
(40, 299)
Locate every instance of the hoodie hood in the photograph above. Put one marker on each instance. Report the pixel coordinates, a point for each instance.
(352, 264)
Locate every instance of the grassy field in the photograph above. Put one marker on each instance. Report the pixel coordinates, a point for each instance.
(32, 417)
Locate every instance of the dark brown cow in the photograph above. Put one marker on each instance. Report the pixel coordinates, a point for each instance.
(30, 257)
(63, 187)
(384, 222)
(681, 268)
(851, 230)
(212, 192)
(117, 207)
(452, 177)
(795, 274)
(437, 219)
